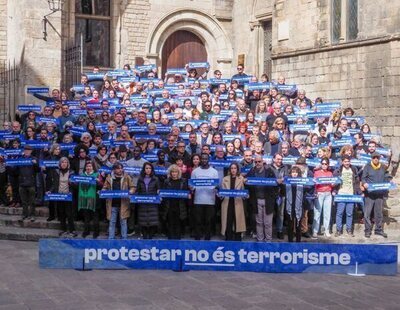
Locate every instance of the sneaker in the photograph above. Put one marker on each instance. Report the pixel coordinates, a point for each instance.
(73, 234)
(62, 233)
(327, 234)
(85, 234)
(24, 218)
(381, 233)
(280, 235)
(314, 236)
(367, 235)
(338, 234)
(33, 219)
(350, 233)
(50, 218)
(131, 232)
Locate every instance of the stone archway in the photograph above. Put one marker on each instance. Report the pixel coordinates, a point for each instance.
(218, 46)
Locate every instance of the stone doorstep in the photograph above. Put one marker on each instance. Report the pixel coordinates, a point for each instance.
(39, 211)
(40, 223)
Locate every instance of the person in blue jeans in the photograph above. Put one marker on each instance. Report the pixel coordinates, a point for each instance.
(350, 186)
(118, 180)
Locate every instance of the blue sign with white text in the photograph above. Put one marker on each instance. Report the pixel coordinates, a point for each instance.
(218, 255)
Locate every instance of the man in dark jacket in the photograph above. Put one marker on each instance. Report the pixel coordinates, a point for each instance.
(374, 172)
(262, 200)
(27, 177)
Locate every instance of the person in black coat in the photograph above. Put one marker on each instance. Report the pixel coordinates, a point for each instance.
(262, 199)
(175, 211)
(148, 184)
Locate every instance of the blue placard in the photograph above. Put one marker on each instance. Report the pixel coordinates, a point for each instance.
(109, 194)
(37, 90)
(182, 255)
(144, 68)
(58, 197)
(233, 193)
(13, 152)
(145, 199)
(298, 181)
(105, 170)
(174, 193)
(219, 81)
(321, 114)
(196, 65)
(349, 198)
(37, 144)
(328, 106)
(230, 137)
(160, 170)
(94, 76)
(290, 160)
(328, 180)
(301, 127)
(383, 151)
(133, 170)
(258, 86)
(172, 71)
(48, 163)
(42, 119)
(29, 107)
(9, 136)
(220, 163)
(19, 162)
(342, 142)
(67, 146)
(84, 179)
(126, 79)
(376, 187)
(253, 181)
(359, 162)
(203, 182)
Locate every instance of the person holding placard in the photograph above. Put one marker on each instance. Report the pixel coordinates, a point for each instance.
(233, 221)
(374, 172)
(60, 184)
(87, 200)
(175, 211)
(148, 184)
(118, 180)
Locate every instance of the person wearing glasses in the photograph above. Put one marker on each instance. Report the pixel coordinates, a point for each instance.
(323, 203)
(374, 172)
(239, 75)
(207, 111)
(262, 200)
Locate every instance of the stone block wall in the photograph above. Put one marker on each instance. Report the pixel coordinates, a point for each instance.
(3, 30)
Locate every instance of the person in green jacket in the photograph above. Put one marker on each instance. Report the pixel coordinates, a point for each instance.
(87, 197)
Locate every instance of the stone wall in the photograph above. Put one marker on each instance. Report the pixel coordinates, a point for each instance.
(3, 30)
(363, 74)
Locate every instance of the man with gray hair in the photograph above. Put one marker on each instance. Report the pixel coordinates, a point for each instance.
(277, 106)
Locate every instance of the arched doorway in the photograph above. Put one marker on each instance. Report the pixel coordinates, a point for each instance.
(180, 48)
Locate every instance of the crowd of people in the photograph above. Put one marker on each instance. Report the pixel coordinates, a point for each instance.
(128, 130)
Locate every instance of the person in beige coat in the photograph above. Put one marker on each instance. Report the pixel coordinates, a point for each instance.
(233, 221)
(118, 180)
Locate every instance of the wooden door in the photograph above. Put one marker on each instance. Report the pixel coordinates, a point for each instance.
(180, 48)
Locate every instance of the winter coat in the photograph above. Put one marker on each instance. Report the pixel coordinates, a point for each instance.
(239, 208)
(126, 184)
(169, 203)
(148, 213)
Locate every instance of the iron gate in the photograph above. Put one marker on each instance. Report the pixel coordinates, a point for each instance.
(73, 64)
(9, 82)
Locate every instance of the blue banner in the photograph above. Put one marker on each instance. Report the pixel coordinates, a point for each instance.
(203, 182)
(83, 179)
(19, 162)
(252, 181)
(58, 197)
(150, 157)
(376, 187)
(144, 68)
(174, 193)
(349, 198)
(233, 193)
(105, 170)
(342, 142)
(67, 146)
(105, 194)
(95, 76)
(298, 181)
(328, 106)
(383, 151)
(9, 136)
(220, 163)
(13, 152)
(37, 90)
(301, 127)
(172, 71)
(290, 160)
(258, 86)
(328, 180)
(37, 144)
(146, 199)
(28, 108)
(359, 162)
(182, 255)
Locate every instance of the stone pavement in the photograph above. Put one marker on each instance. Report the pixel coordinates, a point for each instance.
(24, 286)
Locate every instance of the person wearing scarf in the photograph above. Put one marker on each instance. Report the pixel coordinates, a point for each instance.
(294, 205)
(60, 184)
(87, 199)
(374, 172)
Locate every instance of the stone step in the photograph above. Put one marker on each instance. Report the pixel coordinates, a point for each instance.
(39, 211)
(26, 234)
(40, 223)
